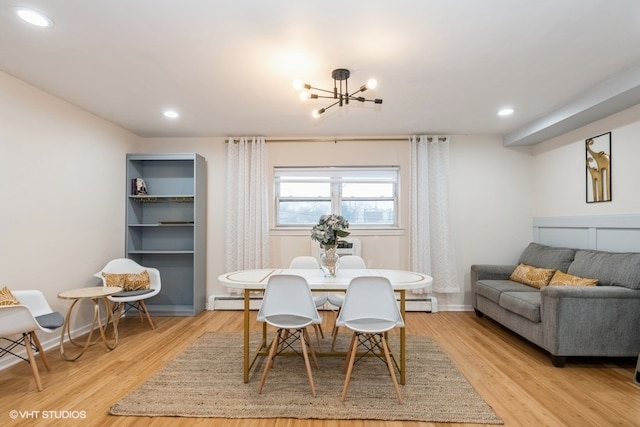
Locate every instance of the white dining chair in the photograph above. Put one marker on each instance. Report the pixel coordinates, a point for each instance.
(319, 298)
(288, 306)
(337, 298)
(370, 310)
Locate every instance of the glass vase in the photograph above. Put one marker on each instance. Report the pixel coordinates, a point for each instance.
(329, 260)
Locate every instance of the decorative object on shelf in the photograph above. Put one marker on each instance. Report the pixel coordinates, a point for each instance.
(598, 156)
(327, 232)
(138, 187)
(339, 75)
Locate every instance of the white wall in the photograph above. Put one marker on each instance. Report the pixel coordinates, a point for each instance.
(559, 170)
(62, 171)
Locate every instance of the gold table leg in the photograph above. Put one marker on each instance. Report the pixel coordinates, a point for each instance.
(66, 329)
(403, 358)
(246, 336)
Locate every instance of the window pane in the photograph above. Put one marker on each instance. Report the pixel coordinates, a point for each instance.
(367, 190)
(304, 189)
(302, 212)
(369, 212)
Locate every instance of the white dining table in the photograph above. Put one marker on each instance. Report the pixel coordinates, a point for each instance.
(256, 280)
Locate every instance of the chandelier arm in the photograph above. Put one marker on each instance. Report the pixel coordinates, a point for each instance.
(322, 90)
(332, 105)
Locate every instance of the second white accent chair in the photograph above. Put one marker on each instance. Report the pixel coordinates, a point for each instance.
(125, 300)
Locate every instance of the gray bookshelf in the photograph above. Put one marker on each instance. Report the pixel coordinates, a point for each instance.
(165, 228)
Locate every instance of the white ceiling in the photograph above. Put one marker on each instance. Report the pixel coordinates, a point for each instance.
(227, 66)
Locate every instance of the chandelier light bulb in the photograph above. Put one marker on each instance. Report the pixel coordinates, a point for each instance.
(372, 83)
(315, 114)
(297, 84)
(304, 95)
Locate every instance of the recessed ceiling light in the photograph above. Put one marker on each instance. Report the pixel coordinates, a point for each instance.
(33, 17)
(506, 111)
(172, 114)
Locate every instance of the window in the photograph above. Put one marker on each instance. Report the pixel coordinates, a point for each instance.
(365, 196)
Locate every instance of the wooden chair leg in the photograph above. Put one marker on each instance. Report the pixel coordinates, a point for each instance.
(352, 359)
(272, 353)
(304, 333)
(319, 334)
(32, 361)
(354, 341)
(43, 355)
(392, 372)
(142, 305)
(311, 350)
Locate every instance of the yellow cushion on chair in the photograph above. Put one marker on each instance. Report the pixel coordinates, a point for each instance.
(7, 298)
(128, 281)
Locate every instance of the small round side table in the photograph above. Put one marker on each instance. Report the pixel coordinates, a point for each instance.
(95, 294)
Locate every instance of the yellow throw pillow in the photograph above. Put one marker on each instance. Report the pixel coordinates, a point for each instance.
(564, 279)
(532, 276)
(128, 281)
(7, 298)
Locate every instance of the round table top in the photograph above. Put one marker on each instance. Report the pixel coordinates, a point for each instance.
(91, 292)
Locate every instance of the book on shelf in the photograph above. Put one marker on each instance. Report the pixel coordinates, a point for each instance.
(138, 187)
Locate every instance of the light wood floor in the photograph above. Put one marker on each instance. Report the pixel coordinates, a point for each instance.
(513, 376)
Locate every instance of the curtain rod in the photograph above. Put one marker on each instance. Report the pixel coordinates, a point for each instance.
(336, 140)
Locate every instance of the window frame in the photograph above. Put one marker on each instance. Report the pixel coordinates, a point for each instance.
(335, 176)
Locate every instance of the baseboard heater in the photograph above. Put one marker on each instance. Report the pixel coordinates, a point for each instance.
(428, 304)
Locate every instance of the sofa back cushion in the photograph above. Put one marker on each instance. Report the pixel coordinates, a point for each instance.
(610, 268)
(544, 256)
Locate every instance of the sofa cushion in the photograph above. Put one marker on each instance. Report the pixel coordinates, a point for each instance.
(532, 276)
(545, 256)
(525, 304)
(563, 279)
(491, 289)
(611, 269)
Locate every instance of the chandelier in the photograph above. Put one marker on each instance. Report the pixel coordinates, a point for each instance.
(340, 91)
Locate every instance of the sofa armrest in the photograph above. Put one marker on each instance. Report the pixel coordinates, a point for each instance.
(490, 272)
(590, 320)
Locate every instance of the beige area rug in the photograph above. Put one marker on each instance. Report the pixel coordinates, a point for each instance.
(206, 381)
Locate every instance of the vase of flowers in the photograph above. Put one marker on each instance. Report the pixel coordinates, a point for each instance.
(327, 232)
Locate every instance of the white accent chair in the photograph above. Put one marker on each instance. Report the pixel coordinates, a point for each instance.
(288, 306)
(370, 310)
(25, 319)
(126, 300)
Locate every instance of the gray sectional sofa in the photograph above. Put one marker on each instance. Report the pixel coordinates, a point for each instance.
(602, 320)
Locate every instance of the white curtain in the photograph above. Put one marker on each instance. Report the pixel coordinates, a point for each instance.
(247, 220)
(432, 250)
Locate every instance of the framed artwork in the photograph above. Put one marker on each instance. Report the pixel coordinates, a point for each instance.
(598, 175)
